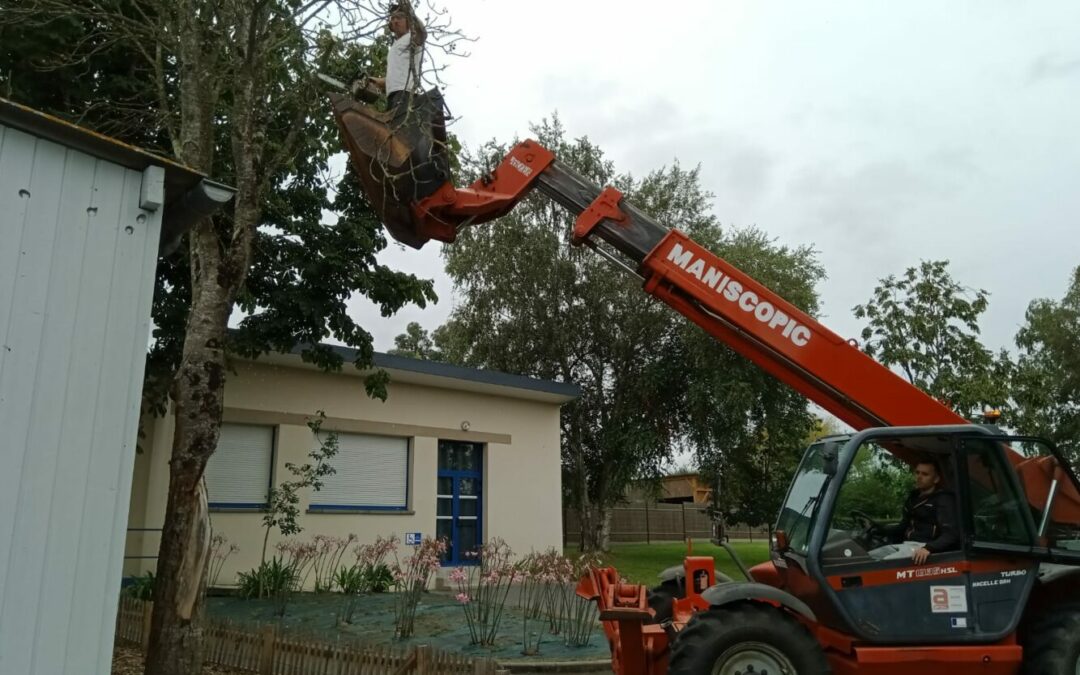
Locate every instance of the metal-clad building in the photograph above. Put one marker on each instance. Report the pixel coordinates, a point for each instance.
(82, 219)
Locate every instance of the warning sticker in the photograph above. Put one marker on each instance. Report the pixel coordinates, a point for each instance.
(948, 600)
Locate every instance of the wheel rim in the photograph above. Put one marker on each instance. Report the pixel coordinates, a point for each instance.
(755, 658)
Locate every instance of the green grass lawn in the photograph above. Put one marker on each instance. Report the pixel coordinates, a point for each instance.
(640, 563)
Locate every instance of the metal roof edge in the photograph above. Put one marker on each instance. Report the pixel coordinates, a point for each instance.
(451, 371)
(72, 135)
(189, 193)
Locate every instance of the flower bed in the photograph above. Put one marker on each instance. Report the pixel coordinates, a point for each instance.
(439, 622)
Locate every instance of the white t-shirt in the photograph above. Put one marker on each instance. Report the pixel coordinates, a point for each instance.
(401, 72)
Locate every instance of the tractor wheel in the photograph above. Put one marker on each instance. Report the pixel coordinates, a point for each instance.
(662, 600)
(1053, 644)
(746, 639)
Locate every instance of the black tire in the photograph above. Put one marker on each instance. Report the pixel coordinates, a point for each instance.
(728, 640)
(662, 599)
(1052, 646)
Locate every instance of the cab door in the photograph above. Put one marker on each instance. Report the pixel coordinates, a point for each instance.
(884, 596)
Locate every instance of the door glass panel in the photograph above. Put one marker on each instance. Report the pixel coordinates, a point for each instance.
(468, 535)
(444, 529)
(469, 487)
(469, 507)
(802, 503)
(868, 508)
(446, 486)
(460, 456)
(996, 507)
(446, 506)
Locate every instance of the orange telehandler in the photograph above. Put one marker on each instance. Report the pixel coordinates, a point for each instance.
(835, 595)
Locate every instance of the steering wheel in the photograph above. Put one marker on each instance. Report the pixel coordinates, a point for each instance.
(872, 530)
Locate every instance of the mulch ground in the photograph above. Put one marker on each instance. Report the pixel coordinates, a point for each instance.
(129, 661)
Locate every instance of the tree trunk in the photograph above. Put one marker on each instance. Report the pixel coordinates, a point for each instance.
(176, 638)
(595, 527)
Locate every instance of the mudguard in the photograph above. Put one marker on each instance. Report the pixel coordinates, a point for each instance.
(739, 591)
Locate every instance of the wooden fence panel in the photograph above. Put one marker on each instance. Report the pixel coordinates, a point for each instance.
(652, 522)
(265, 651)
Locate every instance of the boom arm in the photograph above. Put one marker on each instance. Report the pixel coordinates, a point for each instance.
(731, 306)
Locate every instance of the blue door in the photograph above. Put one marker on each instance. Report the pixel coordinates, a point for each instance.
(459, 519)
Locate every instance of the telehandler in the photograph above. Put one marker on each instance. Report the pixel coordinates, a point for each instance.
(835, 596)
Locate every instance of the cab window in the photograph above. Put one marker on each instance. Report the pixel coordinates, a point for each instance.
(995, 504)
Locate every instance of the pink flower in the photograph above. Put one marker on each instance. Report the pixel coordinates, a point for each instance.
(462, 598)
(458, 575)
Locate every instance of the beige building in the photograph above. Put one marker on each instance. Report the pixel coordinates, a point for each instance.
(454, 452)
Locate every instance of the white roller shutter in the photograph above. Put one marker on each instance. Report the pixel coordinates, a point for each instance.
(238, 472)
(371, 472)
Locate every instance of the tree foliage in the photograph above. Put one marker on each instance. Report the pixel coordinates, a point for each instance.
(926, 325)
(416, 343)
(1046, 385)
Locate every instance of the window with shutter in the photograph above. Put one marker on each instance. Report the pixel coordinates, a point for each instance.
(238, 473)
(371, 473)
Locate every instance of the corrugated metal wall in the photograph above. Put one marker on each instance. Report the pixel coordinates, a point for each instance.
(77, 260)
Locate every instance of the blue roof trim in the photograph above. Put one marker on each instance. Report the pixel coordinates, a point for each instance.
(439, 369)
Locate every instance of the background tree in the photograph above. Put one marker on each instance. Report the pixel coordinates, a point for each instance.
(416, 343)
(926, 325)
(1046, 385)
(227, 88)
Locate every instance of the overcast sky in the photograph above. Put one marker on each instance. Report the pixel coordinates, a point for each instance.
(883, 133)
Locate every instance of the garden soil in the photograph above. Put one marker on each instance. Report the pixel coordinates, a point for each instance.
(440, 623)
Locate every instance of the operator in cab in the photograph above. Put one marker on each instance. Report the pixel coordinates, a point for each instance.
(929, 515)
(405, 57)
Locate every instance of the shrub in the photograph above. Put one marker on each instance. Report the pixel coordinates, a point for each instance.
(351, 580)
(269, 579)
(379, 578)
(367, 574)
(141, 588)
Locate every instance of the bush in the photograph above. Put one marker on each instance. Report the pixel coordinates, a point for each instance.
(141, 588)
(379, 578)
(351, 580)
(272, 578)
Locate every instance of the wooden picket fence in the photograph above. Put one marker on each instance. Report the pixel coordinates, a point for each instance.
(267, 652)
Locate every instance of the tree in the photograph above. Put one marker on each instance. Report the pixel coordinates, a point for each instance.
(227, 88)
(926, 325)
(283, 500)
(1046, 383)
(416, 343)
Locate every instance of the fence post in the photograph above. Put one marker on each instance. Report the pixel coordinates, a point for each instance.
(683, 505)
(266, 651)
(648, 535)
(424, 660)
(147, 617)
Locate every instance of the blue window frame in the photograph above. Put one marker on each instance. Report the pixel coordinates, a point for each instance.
(459, 516)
